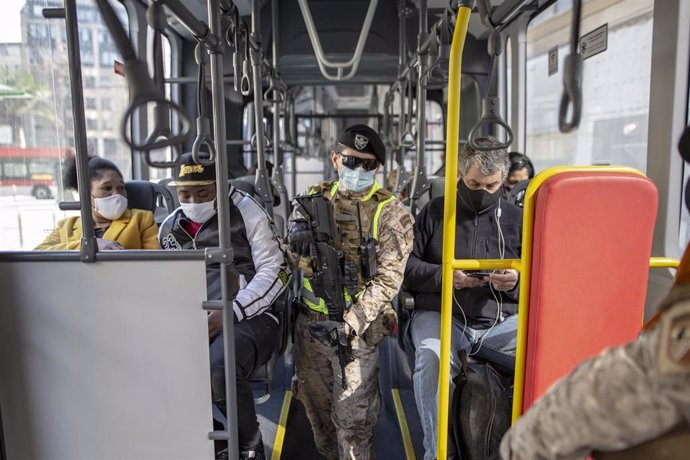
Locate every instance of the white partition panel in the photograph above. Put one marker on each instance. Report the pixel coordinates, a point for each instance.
(104, 361)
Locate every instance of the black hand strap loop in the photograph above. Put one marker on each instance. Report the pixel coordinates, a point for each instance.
(252, 142)
(246, 84)
(407, 137)
(203, 125)
(491, 104)
(273, 86)
(143, 89)
(490, 116)
(142, 92)
(233, 37)
(572, 78)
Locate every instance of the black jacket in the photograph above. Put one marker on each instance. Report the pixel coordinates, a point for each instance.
(259, 271)
(476, 237)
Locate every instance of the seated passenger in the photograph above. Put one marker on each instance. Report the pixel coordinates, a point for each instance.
(521, 171)
(116, 226)
(257, 278)
(485, 307)
(625, 396)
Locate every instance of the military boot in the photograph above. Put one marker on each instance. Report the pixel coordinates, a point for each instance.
(257, 453)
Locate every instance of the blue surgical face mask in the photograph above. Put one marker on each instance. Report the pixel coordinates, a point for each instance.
(356, 180)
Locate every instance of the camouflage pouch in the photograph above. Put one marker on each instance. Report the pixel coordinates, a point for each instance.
(384, 325)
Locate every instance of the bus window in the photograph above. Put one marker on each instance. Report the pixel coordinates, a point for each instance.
(36, 121)
(435, 137)
(615, 89)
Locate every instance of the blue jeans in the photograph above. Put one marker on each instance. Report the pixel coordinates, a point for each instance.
(497, 345)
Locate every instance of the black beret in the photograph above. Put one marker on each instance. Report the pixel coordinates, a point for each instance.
(364, 139)
(684, 144)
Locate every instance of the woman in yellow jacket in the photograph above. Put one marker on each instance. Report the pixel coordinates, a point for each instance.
(116, 227)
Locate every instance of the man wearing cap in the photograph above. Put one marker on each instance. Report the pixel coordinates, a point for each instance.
(343, 419)
(256, 279)
(633, 399)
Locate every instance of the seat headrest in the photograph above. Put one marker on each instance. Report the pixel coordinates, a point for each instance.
(246, 184)
(141, 195)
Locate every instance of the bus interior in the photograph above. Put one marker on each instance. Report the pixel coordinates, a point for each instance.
(263, 88)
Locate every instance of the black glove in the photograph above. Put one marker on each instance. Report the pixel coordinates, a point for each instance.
(301, 238)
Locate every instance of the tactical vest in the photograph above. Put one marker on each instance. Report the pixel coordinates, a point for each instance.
(347, 224)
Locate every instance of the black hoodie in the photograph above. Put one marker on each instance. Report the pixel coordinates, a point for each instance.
(476, 237)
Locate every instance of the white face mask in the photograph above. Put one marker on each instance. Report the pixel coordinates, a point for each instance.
(111, 207)
(356, 180)
(199, 212)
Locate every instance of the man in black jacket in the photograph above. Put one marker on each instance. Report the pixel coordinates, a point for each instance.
(258, 276)
(485, 306)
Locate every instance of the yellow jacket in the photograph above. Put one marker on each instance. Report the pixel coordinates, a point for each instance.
(135, 229)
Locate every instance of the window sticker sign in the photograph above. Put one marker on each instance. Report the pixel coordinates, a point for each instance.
(595, 42)
(553, 60)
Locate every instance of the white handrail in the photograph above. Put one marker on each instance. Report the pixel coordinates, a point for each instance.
(321, 59)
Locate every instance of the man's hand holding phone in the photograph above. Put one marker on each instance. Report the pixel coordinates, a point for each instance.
(463, 280)
(504, 280)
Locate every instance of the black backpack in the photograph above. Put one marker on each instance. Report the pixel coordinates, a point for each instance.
(481, 410)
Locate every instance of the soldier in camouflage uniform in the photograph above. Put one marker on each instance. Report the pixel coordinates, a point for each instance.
(626, 396)
(343, 419)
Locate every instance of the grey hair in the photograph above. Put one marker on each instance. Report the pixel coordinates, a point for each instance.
(487, 161)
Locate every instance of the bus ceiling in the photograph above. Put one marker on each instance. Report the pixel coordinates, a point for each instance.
(337, 29)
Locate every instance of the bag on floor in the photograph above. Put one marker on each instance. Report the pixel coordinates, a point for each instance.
(481, 410)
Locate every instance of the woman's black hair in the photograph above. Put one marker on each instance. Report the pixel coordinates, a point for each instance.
(519, 161)
(96, 166)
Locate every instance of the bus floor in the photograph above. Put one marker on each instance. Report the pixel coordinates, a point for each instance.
(287, 433)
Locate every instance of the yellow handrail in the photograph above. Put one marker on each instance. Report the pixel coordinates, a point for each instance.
(452, 139)
(663, 262)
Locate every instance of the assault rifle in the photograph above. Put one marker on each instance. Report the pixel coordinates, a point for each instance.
(332, 274)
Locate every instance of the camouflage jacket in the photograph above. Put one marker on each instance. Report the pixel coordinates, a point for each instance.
(395, 234)
(624, 397)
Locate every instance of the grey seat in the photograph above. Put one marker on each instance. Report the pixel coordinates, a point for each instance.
(150, 196)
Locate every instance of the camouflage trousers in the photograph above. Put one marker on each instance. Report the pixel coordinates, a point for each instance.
(342, 419)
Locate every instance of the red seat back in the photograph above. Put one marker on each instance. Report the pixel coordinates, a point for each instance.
(591, 248)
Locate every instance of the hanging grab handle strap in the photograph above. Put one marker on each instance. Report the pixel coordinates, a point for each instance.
(490, 116)
(246, 84)
(203, 125)
(143, 89)
(572, 78)
(234, 37)
(407, 138)
(491, 104)
(273, 86)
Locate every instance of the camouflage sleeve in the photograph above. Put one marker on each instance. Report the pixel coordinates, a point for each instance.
(614, 401)
(395, 244)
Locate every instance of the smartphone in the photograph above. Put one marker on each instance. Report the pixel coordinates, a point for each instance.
(477, 273)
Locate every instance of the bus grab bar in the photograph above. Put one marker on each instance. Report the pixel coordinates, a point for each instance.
(572, 78)
(452, 142)
(88, 245)
(325, 63)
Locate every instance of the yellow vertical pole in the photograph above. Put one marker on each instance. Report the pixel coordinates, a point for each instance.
(452, 139)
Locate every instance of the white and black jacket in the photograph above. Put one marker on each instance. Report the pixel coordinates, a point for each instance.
(259, 272)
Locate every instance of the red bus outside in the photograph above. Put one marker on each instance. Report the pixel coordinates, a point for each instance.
(30, 171)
